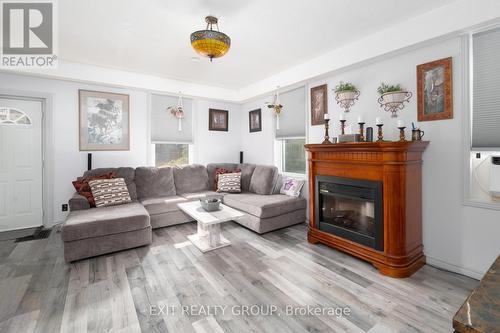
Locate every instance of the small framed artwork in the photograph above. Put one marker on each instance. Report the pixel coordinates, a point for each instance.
(104, 121)
(319, 104)
(434, 90)
(255, 120)
(218, 120)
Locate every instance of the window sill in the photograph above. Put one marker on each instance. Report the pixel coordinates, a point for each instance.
(481, 204)
(295, 175)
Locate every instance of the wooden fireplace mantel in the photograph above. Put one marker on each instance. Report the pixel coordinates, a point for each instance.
(398, 166)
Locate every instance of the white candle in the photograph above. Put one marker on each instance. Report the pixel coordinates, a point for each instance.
(378, 121)
(342, 116)
(327, 116)
(360, 120)
(401, 123)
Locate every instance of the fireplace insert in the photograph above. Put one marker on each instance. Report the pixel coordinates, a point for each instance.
(351, 209)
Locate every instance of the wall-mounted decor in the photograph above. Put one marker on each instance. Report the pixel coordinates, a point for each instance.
(276, 106)
(434, 90)
(319, 104)
(218, 120)
(255, 120)
(392, 98)
(104, 121)
(346, 94)
(178, 112)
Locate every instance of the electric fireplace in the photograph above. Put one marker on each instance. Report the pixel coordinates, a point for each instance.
(351, 209)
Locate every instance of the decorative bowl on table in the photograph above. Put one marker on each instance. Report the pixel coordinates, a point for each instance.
(210, 204)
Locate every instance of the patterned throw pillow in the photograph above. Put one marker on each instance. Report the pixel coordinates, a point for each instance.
(82, 186)
(220, 171)
(229, 182)
(109, 192)
(292, 187)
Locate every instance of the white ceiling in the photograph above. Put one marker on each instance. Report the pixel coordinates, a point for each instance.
(267, 36)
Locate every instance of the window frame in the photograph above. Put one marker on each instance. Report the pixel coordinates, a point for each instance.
(279, 153)
(152, 161)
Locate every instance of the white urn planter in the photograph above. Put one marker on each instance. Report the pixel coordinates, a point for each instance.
(346, 99)
(394, 101)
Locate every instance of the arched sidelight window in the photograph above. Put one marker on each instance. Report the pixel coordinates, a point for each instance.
(10, 116)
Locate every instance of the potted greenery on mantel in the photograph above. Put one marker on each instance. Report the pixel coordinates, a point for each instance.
(346, 94)
(392, 97)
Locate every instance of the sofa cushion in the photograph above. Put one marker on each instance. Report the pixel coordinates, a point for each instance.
(126, 173)
(263, 179)
(109, 192)
(190, 178)
(154, 182)
(211, 167)
(160, 205)
(102, 221)
(199, 195)
(246, 175)
(229, 182)
(264, 206)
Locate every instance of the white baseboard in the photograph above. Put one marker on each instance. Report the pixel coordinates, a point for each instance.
(454, 268)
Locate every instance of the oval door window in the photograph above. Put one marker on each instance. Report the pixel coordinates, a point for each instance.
(9, 116)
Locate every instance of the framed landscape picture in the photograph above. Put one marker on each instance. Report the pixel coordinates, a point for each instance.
(434, 90)
(319, 104)
(104, 121)
(255, 120)
(218, 120)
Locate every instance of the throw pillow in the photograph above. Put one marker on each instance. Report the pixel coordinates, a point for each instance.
(292, 187)
(82, 186)
(220, 171)
(229, 182)
(109, 192)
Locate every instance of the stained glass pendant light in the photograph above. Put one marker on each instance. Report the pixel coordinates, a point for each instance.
(210, 43)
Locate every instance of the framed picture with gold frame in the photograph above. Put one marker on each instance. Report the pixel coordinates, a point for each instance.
(434, 90)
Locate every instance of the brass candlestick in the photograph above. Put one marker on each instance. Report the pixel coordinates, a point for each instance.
(327, 136)
(380, 133)
(361, 131)
(402, 134)
(342, 126)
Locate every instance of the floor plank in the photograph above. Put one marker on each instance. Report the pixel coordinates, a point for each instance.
(171, 286)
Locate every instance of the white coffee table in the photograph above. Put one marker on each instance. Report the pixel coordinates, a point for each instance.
(209, 235)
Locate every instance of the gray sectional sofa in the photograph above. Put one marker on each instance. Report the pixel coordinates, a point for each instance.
(155, 193)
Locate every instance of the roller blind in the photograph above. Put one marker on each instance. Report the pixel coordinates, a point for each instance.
(293, 115)
(164, 126)
(486, 89)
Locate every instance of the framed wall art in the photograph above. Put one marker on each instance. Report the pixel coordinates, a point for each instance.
(218, 120)
(319, 104)
(255, 120)
(434, 90)
(104, 121)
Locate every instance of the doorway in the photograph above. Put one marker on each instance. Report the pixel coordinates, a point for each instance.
(21, 163)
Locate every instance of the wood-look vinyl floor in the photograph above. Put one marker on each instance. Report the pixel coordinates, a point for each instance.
(147, 289)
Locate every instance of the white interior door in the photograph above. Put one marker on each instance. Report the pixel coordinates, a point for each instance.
(20, 164)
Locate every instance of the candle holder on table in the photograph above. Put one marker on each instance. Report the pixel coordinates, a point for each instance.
(380, 134)
(361, 131)
(402, 133)
(342, 126)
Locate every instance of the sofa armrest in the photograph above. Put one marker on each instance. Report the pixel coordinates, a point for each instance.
(78, 202)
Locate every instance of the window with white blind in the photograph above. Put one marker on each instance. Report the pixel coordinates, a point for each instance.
(486, 90)
(290, 137)
(171, 142)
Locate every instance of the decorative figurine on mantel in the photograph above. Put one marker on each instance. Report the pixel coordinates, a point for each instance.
(327, 136)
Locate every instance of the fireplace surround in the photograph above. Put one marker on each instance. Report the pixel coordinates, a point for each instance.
(397, 169)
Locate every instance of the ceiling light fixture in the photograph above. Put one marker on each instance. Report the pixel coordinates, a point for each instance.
(210, 43)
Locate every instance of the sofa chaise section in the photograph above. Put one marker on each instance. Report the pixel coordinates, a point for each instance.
(91, 232)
